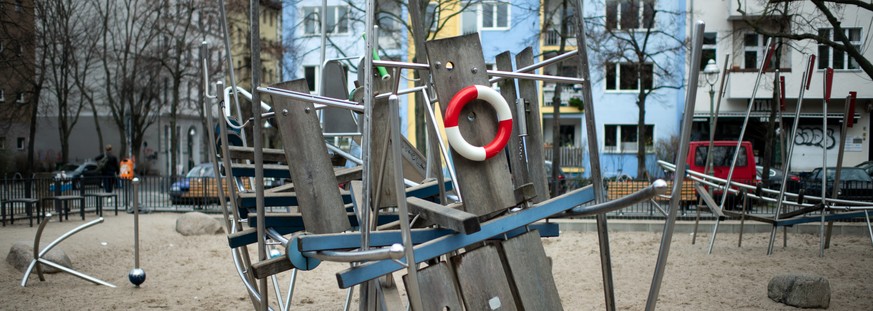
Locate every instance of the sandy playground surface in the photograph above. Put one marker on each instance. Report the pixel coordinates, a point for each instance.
(196, 273)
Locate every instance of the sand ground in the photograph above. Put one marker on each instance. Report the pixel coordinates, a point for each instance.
(197, 273)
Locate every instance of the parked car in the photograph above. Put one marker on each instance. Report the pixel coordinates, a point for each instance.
(722, 158)
(199, 185)
(775, 178)
(867, 166)
(562, 178)
(855, 184)
(82, 174)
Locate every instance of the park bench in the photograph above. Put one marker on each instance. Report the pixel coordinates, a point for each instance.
(619, 189)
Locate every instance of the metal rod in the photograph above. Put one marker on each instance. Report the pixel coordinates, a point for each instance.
(841, 149)
(826, 83)
(75, 273)
(678, 178)
(657, 188)
(496, 73)
(327, 101)
(395, 251)
(136, 222)
(254, 20)
(790, 153)
(39, 253)
(227, 51)
(344, 154)
(594, 160)
(443, 150)
(714, 120)
(291, 287)
(210, 132)
(412, 270)
(541, 64)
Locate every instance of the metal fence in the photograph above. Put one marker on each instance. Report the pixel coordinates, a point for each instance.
(182, 194)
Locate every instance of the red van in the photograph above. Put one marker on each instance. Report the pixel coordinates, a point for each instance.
(722, 156)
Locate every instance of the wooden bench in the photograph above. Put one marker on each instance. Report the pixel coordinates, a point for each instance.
(99, 197)
(10, 206)
(619, 189)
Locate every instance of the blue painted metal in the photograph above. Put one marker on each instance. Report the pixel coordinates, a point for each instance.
(443, 245)
(289, 200)
(297, 259)
(252, 237)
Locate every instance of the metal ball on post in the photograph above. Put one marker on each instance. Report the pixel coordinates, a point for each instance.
(136, 275)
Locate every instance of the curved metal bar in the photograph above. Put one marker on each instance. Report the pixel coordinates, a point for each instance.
(394, 252)
(658, 187)
(36, 254)
(39, 253)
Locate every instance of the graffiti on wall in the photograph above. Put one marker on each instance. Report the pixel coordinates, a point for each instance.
(813, 136)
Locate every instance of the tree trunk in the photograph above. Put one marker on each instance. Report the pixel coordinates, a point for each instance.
(641, 134)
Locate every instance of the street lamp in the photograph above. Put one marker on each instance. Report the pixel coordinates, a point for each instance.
(710, 73)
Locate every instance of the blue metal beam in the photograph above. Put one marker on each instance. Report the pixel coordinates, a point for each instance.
(828, 217)
(443, 245)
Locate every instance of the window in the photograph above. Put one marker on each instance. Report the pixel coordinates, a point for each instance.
(20, 143)
(20, 97)
(432, 16)
(709, 48)
(630, 14)
(830, 57)
(489, 15)
(18, 6)
(755, 49)
(2, 95)
(336, 18)
(625, 77)
(721, 156)
(623, 138)
(311, 75)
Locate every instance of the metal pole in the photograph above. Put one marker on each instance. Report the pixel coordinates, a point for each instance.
(229, 55)
(594, 161)
(254, 19)
(679, 176)
(135, 223)
(828, 76)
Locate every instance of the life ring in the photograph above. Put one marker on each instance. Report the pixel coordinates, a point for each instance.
(504, 118)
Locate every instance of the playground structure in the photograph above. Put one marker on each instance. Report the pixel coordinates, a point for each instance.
(791, 208)
(468, 241)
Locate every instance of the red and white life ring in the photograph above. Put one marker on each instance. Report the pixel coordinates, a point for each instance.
(504, 118)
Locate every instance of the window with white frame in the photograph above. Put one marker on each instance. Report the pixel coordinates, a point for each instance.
(630, 14)
(2, 95)
(336, 19)
(623, 137)
(312, 76)
(836, 59)
(488, 15)
(20, 97)
(20, 143)
(627, 76)
(754, 50)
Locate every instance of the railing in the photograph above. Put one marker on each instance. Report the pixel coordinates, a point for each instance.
(553, 37)
(570, 156)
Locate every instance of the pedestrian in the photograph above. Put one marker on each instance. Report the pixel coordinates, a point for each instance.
(108, 164)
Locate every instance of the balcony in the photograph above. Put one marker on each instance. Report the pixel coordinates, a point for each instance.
(570, 156)
(553, 38)
(751, 7)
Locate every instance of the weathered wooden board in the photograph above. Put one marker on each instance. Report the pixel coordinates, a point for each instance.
(517, 160)
(390, 299)
(248, 153)
(531, 272)
(483, 281)
(333, 81)
(439, 289)
(314, 182)
(456, 63)
(527, 90)
(444, 216)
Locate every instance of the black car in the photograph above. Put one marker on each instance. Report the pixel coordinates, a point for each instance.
(775, 178)
(855, 184)
(84, 174)
(867, 166)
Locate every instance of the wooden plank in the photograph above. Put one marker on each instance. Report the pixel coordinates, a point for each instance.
(389, 294)
(439, 287)
(527, 90)
(307, 159)
(444, 216)
(334, 82)
(414, 163)
(266, 268)
(531, 272)
(484, 284)
(248, 153)
(379, 145)
(517, 159)
(483, 185)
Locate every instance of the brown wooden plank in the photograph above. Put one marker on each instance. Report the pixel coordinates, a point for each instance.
(527, 90)
(483, 185)
(271, 266)
(483, 281)
(348, 174)
(531, 272)
(307, 158)
(414, 163)
(444, 216)
(517, 159)
(248, 153)
(440, 292)
(379, 145)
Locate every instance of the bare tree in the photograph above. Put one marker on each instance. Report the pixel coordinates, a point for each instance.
(638, 53)
(131, 74)
(817, 20)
